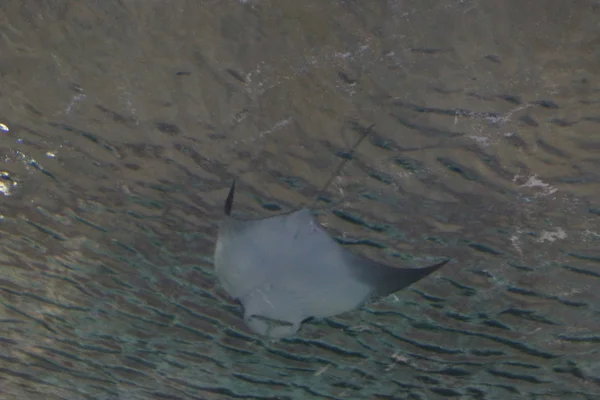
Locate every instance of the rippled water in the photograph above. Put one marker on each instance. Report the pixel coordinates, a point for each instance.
(124, 122)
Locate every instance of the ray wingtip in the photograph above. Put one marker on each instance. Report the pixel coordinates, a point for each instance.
(229, 200)
(439, 264)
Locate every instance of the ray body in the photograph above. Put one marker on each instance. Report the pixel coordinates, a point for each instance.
(285, 269)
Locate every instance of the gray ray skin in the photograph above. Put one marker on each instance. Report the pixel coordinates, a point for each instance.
(286, 269)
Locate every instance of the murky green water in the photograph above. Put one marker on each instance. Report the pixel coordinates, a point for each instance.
(124, 122)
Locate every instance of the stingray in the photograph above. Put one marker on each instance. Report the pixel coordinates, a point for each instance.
(286, 269)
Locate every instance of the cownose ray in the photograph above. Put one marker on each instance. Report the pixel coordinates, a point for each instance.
(286, 269)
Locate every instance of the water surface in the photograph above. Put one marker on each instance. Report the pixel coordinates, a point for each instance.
(124, 122)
